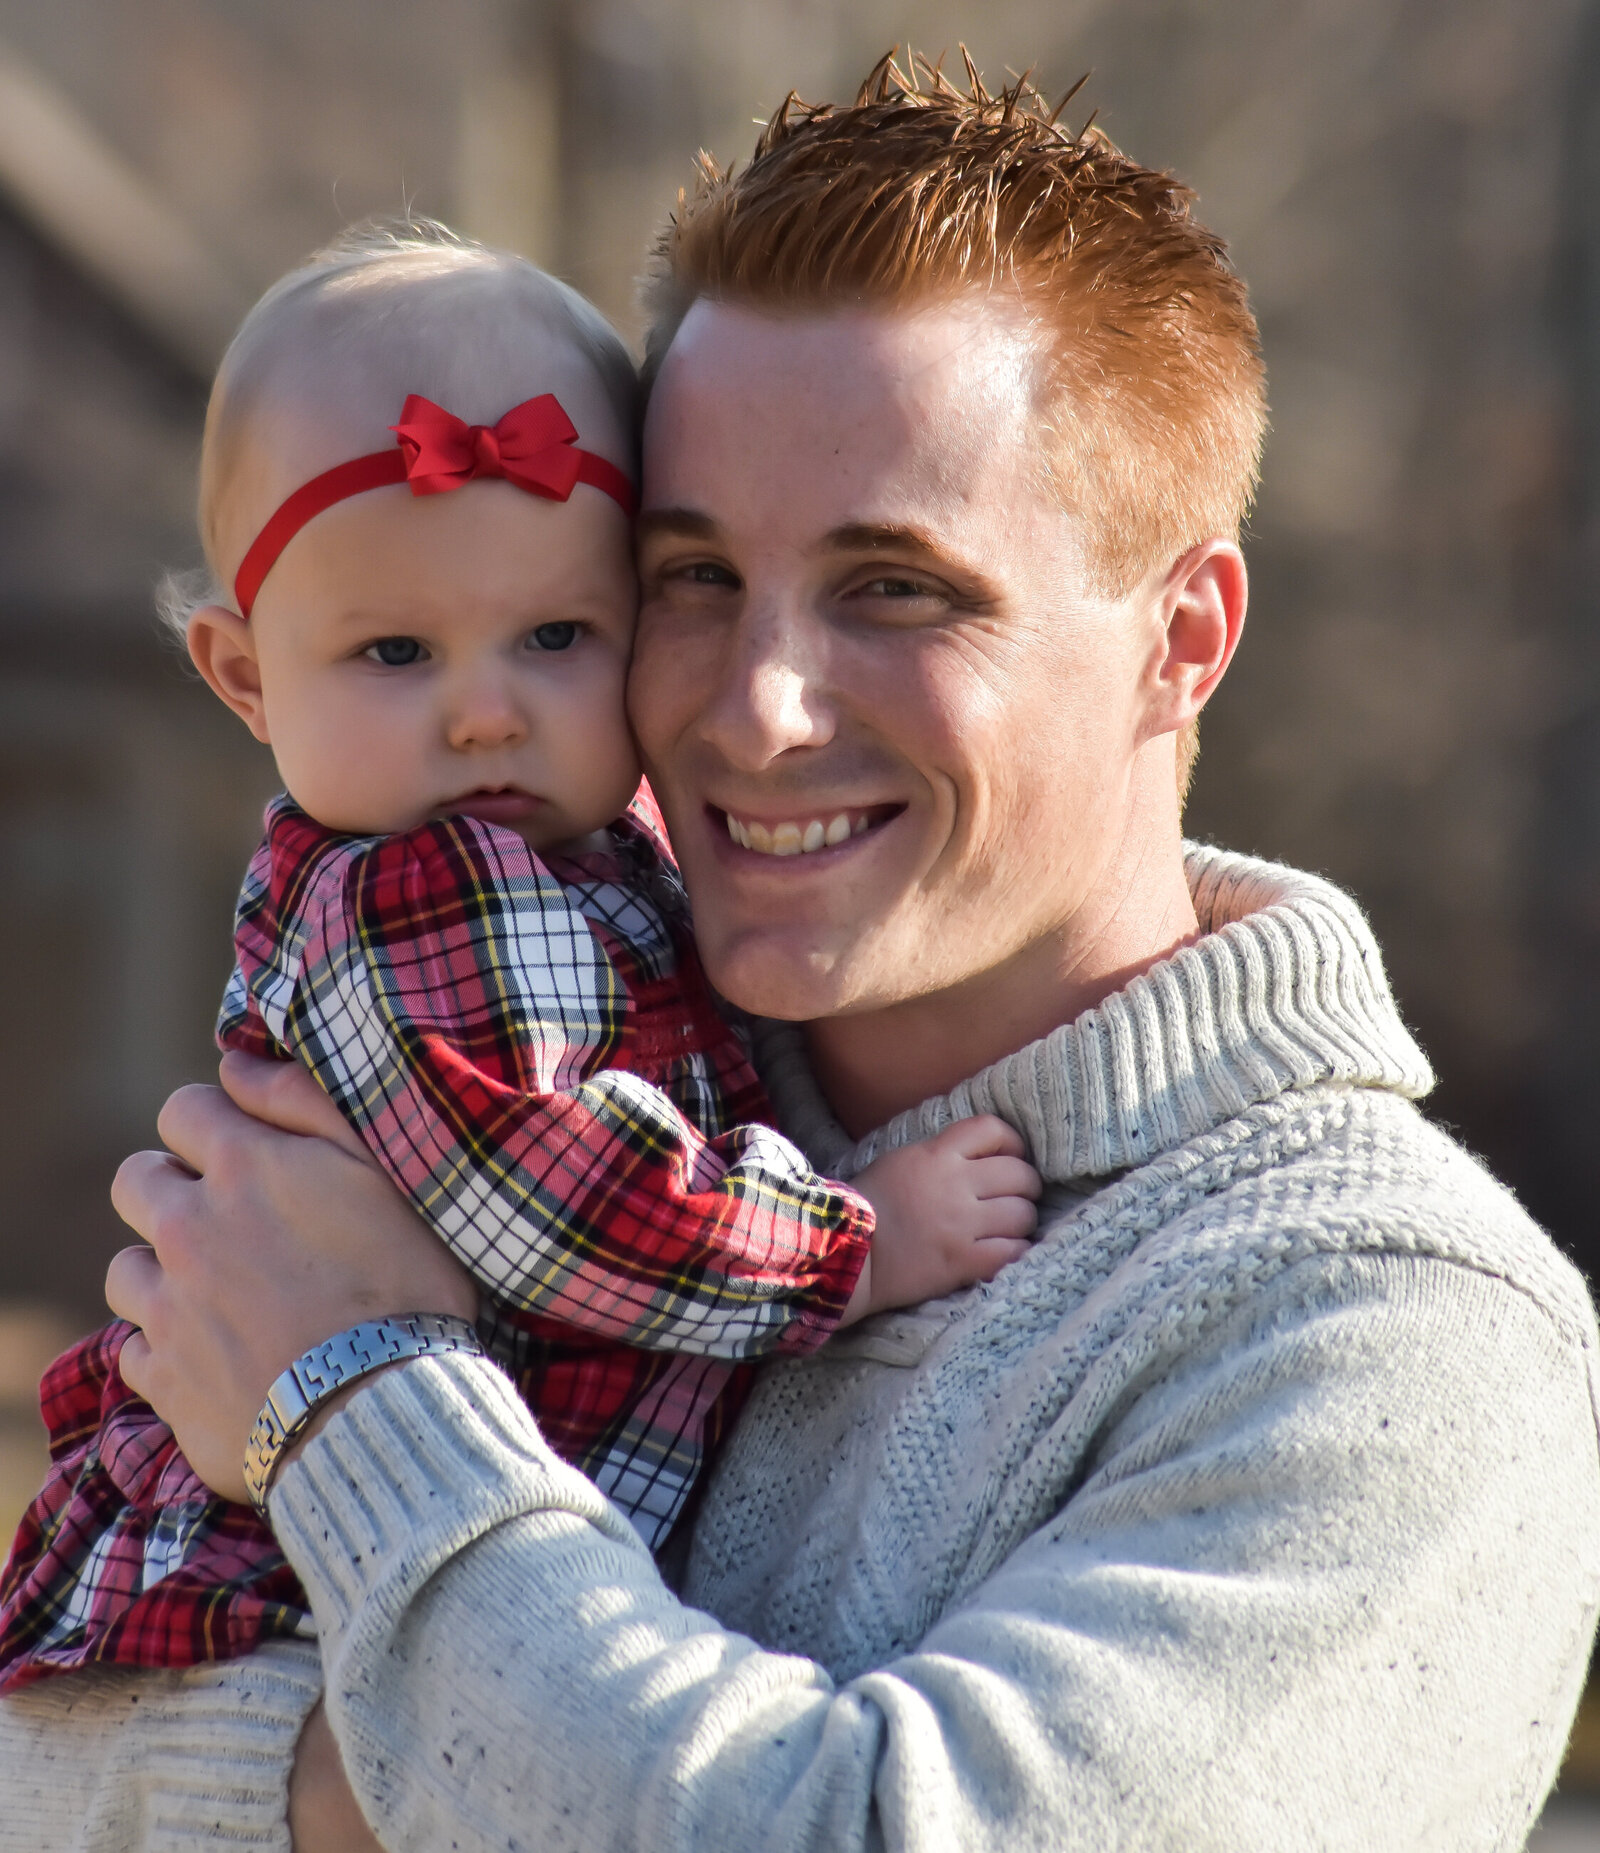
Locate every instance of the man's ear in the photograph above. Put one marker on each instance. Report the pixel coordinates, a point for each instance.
(1203, 604)
(224, 651)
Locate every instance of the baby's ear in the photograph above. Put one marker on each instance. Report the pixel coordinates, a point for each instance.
(223, 650)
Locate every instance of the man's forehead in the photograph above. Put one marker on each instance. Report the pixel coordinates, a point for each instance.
(893, 405)
(982, 344)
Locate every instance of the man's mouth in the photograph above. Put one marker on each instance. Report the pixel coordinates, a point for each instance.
(804, 836)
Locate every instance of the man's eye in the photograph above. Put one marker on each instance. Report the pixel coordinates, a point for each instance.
(555, 636)
(710, 572)
(395, 652)
(888, 587)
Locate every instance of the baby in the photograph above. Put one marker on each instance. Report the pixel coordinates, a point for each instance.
(465, 920)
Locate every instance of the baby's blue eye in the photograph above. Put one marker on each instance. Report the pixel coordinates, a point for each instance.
(555, 636)
(395, 652)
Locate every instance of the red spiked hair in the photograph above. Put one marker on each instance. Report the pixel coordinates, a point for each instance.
(1152, 403)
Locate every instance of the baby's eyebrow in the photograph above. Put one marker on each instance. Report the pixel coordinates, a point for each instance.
(362, 618)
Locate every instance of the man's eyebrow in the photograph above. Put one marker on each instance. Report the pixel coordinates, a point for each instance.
(883, 537)
(679, 523)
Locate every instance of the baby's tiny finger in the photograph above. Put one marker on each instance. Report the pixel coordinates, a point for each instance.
(1004, 1177)
(998, 1252)
(983, 1136)
(1009, 1217)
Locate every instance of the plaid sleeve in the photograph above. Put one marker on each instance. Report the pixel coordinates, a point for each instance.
(457, 1007)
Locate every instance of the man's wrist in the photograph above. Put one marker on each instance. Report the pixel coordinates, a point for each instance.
(328, 1373)
(323, 1414)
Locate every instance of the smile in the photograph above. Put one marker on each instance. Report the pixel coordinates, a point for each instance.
(805, 836)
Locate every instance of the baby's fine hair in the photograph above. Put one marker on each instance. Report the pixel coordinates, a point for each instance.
(391, 306)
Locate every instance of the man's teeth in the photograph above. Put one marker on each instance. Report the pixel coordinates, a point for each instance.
(795, 839)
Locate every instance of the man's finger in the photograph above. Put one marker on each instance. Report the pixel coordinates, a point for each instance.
(147, 1187)
(196, 1121)
(283, 1094)
(323, 1816)
(133, 1361)
(133, 1283)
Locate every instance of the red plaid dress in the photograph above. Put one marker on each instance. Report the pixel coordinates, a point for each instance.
(531, 1050)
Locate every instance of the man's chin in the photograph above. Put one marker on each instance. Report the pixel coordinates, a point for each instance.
(795, 975)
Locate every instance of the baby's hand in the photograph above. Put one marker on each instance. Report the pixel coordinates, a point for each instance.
(950, 1211)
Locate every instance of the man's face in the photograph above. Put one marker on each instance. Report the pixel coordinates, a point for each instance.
(892, 728)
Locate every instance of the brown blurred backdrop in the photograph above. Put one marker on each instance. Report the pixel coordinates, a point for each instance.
(1409, 185)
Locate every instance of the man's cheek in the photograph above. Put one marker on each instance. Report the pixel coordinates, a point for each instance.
(647, 688)
(679, 809)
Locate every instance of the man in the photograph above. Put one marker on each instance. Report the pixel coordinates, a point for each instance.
(1259, 1505)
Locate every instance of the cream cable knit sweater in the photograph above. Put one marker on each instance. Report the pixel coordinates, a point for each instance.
(1259, 1506)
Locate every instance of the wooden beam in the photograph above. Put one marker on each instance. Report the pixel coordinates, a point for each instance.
(107, 218)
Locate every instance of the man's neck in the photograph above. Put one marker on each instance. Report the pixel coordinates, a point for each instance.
(873, 1065)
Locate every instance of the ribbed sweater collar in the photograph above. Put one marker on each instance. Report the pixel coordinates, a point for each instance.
(1285, 989)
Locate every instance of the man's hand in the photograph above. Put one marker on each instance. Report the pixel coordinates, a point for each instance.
(284, 1095)
(951, 1211)
(323, 1816)
(263, 1242)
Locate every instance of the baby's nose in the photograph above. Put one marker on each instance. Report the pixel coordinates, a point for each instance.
(486, 716)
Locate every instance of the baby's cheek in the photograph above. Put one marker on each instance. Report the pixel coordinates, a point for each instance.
(600, 746)
(351, 776)
(621, 771)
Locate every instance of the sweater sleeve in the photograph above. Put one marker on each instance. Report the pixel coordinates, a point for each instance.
(1329, 1583)
(458, 1009)
(125, 1760)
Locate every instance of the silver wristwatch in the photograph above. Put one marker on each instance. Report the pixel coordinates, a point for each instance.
(313, 1377)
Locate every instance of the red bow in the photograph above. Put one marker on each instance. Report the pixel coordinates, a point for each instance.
(531, 446)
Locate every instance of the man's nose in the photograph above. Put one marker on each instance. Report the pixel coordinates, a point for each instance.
(770, 696)
(483, 712)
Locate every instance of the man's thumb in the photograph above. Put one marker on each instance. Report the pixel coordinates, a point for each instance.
(284, 1095)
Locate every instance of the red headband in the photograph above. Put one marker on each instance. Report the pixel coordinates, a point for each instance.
(532, 446)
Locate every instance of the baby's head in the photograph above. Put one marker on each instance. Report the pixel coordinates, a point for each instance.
(409, 656)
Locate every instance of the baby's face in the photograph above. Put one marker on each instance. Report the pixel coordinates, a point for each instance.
(453, 654)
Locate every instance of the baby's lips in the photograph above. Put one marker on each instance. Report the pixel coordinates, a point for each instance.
(510, 806)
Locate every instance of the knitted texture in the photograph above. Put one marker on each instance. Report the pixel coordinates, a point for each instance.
(1025, 1375)
(1257, 1507)
(110, 1761)
(1286, 988)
